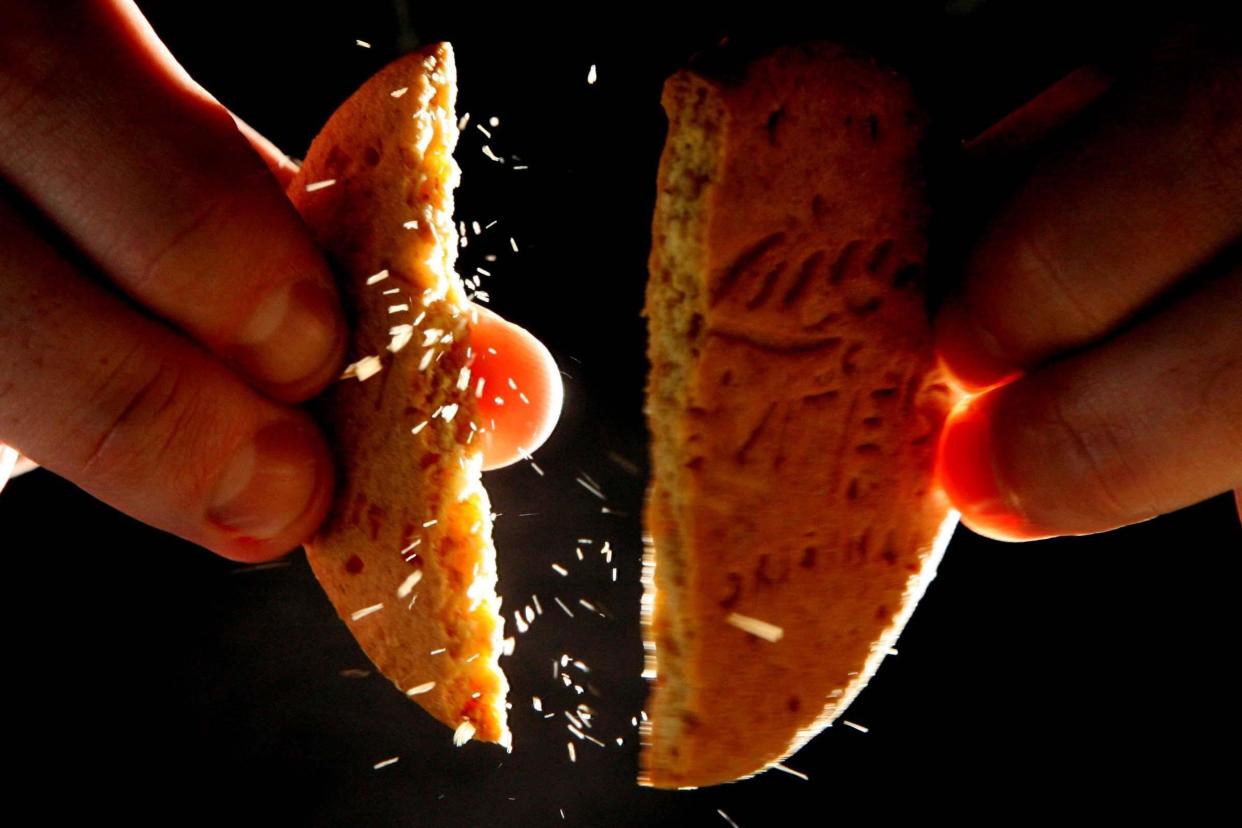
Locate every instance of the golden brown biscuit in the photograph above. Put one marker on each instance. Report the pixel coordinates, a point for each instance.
(406, 553)
(794, 403)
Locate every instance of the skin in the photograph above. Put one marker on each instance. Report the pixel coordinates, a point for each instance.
(154, 351)
(153, 348)
(1100, 313)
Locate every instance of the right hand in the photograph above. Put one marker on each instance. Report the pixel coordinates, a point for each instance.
(1102, 302)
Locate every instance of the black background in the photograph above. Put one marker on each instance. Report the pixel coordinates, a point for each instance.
(155, 682)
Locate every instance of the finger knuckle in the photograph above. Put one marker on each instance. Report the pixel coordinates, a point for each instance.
(1093, 451)
(1041, 274)
(171, 264)
(143, 412)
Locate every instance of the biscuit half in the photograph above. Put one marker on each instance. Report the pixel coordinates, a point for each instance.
(406, 554)
(794, 404)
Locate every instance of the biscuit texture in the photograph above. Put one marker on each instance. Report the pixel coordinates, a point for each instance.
(406, 554)
(794, 404)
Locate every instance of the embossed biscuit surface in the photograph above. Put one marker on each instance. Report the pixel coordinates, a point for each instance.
(794, 403)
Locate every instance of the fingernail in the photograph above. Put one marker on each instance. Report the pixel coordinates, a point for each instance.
(968, 352)
(292, 334)
(967, 471)
(269, 483)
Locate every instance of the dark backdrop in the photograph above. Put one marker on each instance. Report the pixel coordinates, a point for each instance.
(155, 682)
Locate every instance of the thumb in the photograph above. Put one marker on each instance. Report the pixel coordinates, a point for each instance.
(518, 388)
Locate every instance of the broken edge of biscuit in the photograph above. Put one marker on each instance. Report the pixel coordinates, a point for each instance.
(406, 555)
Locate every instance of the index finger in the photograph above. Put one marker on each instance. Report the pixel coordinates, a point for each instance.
(1141, 192)
(152, 179)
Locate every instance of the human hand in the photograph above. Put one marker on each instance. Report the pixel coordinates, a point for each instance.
(162, 308)
(1105, 299)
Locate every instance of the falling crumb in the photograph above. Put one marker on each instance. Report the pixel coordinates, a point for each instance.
(587, 604)
(464, 733)
(522, 396)
(573, 756)
(365, 45)
(463, 121)
(449, 412)
(578, 552)
(536, 703)
(419, 427)
(560, 570)
(499, 400)
(530, 615)
(726, 818)
(561, 604)
(778, 766)
(439, 650)
(412, 224)
(354, 673)
(590, 485)
(513, 244)
(508, 646)
(592, 75)
(385, 763)
(320, 185)
(429, 523)
(890, 652)
(401, 338)
(761, 629)
(493, 156)
(857, 727)
(397, 93)
(535, 600)
(419, 689)
(263, 567)
(493, 121)
(365, 611)
(522, 626)
(411, 581)
(398, 308)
